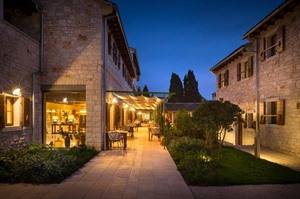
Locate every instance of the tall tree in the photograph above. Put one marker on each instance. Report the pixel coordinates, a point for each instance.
(146, 91)
(177, 88)
(191, 92)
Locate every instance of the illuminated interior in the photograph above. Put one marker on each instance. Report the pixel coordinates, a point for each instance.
(65, 118)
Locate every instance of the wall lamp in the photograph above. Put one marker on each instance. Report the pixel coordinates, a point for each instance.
(17, 92)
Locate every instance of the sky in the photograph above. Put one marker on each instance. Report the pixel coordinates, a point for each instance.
(174, 36)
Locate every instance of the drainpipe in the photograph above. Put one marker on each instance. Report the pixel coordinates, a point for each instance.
(257, 132)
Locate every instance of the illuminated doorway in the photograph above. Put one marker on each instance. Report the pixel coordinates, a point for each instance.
(65, 118)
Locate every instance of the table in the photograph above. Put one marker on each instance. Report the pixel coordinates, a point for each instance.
(153, 131)
(123, 133)
(71, 127)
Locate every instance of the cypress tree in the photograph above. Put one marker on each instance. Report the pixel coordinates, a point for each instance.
(191, 92)
(146, 91)
(177, 88)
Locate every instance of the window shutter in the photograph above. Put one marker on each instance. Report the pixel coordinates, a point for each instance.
(219, 80)
(262, 119)
(280, 39)
(226, 78)
(249, 120)
(250, 66)
(26, 111)
(262, 48)
(239, 66)
(109, 43)
(280, 112)
(2, 112)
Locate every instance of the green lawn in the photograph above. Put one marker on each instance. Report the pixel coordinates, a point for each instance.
(238, 168)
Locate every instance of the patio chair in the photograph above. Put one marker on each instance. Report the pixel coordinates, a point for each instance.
(154, 131)
(115, 137)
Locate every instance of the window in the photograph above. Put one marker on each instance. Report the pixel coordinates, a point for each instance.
(9, 111)
(249, 123)
(272, 44)
(14, 111)
(245, 69)
(272, 112)
(223, 79)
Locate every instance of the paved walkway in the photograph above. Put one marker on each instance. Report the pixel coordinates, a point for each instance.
(144, 170)
(286, 160)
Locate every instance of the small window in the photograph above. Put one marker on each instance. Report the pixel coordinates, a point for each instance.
(271, 43)
(272, 112)
(223, 79)
(9, 111)
(245, 69)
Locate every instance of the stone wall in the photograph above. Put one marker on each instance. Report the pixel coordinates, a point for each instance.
(19, 60)
(279, 78)
(74, 54)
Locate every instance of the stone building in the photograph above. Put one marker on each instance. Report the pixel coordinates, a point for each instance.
(263, 78)
(63, 56)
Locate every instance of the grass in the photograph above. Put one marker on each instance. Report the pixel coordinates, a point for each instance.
(240, 168)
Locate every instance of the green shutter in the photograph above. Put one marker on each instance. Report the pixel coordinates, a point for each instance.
(280, 39)
(280, 112)
(239, 68)
(262, 119)
(250, 66)
(26, 111)
(226, 78)
(2, 112)
(262, 48)
(219, 80)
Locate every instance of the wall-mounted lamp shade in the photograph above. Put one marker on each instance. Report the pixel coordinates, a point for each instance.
(55, 119)
(71, 118)
(17, 92)
(114, 100)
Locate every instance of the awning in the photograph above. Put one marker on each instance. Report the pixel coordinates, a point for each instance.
(140, 102)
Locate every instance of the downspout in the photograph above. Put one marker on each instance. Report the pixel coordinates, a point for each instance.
(257, 132)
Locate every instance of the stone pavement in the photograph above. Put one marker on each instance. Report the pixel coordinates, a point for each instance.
(144, 170)
(286, 160)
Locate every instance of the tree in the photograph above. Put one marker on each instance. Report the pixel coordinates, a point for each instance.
(146, 91)
(177, 88)
(191, 92)
(216, 118)
(184, 122)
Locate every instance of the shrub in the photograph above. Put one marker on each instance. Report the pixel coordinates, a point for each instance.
(42, 164)
(180, 147)
(199, 169)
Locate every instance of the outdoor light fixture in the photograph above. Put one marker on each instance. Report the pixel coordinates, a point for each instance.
(132, 109)
(17, 92)
(114, 100)
(65, 100)
(55, 119)
(126, 106)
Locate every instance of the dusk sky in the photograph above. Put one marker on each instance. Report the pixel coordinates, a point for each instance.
(175, 36)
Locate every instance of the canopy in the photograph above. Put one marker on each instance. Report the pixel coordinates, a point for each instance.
(140, 102)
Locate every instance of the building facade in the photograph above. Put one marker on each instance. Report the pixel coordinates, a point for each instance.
(263, 78)
(63, 57)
